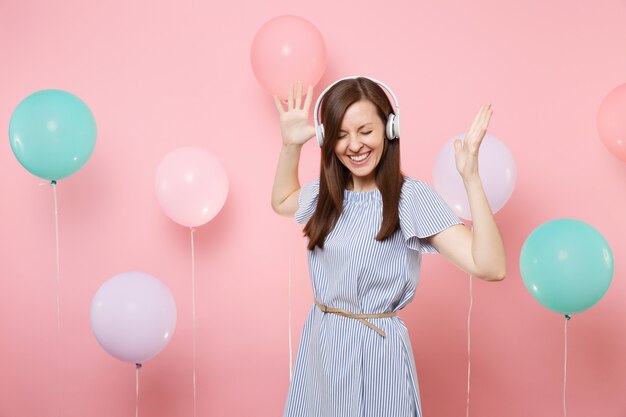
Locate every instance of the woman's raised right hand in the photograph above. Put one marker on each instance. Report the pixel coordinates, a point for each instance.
(294, 121)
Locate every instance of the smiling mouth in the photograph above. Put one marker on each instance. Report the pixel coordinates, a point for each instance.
(359, 158)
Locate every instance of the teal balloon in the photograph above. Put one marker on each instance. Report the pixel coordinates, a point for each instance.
(567, 265)
(52, 133)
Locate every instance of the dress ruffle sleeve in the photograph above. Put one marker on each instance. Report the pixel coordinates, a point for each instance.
(423, 213)
(307, 201)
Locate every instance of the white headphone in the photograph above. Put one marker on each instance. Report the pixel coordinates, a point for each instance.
(392, 130)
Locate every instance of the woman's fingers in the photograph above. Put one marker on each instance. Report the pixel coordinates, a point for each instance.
(480, 117)
(290, 97)
(294, 98)
(279, 105)
(486, 115)
(299, 95)
(307, 100)
(481, 122)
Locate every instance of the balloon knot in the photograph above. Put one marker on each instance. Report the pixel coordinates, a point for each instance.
(568, 317)
(138, 365)
(53, 182)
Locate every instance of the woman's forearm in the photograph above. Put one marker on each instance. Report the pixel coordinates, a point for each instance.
(487, 247)
(286, 183)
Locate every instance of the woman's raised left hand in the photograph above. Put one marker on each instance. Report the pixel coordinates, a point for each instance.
(466, 151)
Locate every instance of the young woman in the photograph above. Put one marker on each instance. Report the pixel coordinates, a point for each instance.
(367, 227)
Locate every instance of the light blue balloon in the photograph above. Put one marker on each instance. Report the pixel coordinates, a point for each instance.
(52, 133)
(567, 265)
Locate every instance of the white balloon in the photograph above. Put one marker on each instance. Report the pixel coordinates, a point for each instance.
(133, 316)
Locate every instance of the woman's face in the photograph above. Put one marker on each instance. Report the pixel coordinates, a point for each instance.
(361, 143)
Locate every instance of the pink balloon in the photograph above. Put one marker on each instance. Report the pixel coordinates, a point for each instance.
(191, 186)
(612, 122)
(285, 50)
(495, 166)
(133, 316)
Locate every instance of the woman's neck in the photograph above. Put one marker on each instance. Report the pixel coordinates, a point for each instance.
(358, 184)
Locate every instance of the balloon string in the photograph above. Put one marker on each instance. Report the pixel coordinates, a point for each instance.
(289, 323)
(58, 268)
(58, 294)
(193, 318)
(567, 318)
(469, 316)
(137, 368)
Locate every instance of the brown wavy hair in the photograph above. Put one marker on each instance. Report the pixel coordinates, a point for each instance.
(335, 177)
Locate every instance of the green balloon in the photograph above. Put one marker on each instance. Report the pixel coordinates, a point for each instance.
(567, 265)
(52, 133)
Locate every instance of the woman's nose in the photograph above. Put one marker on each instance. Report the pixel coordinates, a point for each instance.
(355, 143)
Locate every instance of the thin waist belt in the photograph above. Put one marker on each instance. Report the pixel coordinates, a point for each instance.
(359, 317)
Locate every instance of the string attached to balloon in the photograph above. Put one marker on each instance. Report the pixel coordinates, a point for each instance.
(289, 322)
(53, 184)
(137, 368)
(193, 316)
(58, 263)
(567, 318)
(469, 317)
(469, 357)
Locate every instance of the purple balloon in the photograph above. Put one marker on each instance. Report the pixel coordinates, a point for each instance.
(133, 316)
(495, 166)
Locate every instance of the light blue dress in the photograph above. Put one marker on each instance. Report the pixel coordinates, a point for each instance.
(344, 368)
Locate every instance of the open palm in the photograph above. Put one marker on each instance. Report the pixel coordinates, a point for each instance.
(466, 151)
(294, 121)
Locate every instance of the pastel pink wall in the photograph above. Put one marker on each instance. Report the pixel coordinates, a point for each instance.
(162, 74)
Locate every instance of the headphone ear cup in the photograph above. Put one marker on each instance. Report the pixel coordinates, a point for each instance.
(396, 126)
(392, 128)
(319, 134)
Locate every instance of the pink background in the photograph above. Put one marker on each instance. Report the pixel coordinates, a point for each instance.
(162, 74)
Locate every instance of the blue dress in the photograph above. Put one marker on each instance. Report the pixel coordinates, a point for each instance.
(344, 368)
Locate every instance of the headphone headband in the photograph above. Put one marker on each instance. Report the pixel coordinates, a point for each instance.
(392, 129)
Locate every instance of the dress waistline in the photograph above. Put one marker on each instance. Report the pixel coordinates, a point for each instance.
(359, 317)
